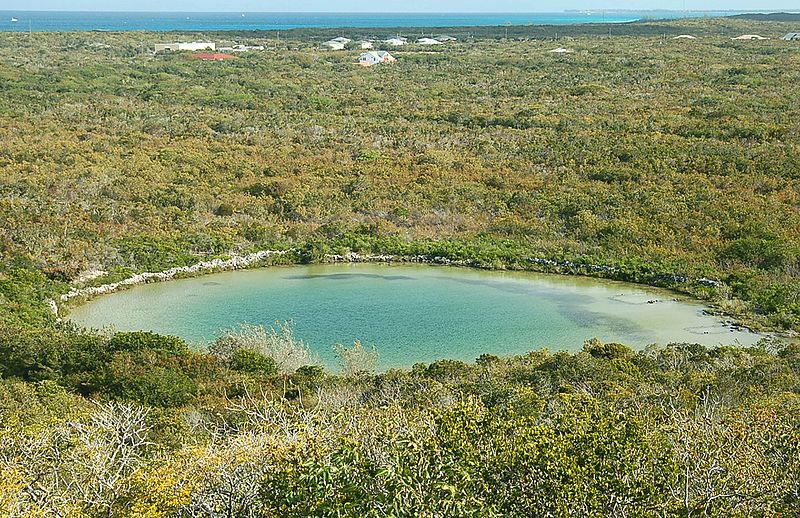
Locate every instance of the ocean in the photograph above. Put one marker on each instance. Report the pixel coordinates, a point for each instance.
(58, 21)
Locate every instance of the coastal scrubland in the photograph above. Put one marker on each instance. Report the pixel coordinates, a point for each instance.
(667, 162)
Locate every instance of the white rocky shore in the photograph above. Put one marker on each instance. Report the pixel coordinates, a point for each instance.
(355, 257)
(234, 263)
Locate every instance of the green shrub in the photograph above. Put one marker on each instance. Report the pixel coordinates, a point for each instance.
(141, 340)
(145, 377)
(253, 362)
(67, 357)
(609, 351)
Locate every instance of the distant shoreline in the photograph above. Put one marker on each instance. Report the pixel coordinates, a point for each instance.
(420, 13)
(170, 21)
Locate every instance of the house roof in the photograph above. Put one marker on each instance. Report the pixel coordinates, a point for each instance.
(380, 54)
(792, 36)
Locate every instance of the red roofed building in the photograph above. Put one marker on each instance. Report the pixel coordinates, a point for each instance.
(217, 56)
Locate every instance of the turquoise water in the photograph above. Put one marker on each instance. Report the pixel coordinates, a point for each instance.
(412, 313)
(52, 21)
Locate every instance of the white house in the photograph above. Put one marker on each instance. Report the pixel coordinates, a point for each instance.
(792, 36)
(368, 59)
(337, 43)
(396, 42)
(192, 46)
(428, 41)
(561, 50)
(365, 44)
(684, 37)
(749, 37)
(446, 39)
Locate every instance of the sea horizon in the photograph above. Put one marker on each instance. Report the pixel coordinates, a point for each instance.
(166, 21)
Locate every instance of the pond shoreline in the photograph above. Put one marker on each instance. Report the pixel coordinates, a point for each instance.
(438, 311)
(239, 262)
(257, 259)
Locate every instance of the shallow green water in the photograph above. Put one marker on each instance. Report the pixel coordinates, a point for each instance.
(412, 313)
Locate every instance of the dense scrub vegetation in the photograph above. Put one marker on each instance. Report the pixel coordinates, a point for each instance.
(668, 161)
(248, 430)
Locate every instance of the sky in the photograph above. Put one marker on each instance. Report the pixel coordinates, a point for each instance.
(528, 6)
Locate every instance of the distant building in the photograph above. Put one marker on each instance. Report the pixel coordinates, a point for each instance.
(337, 43)
(446, 39)
(561, 50)
(749, 37)
(396, 42)
(792, 36)
(428, 41)
(215, 56)
(684, 37)
(193, 46)
(368, 59)
(365, 44)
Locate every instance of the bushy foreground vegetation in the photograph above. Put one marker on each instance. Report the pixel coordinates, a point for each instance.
(247, 430)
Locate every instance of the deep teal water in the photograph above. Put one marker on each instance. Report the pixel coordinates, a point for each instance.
(54, 21)
(412, 313)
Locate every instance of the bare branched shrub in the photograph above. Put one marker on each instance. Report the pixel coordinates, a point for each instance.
(719, 458)
(225, 477)
(356, 360)
(281, 419)
(109, 449)
(279, 344)
(80, 467)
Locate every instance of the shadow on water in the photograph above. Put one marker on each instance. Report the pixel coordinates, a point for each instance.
(579, 314)
(587, 319)
(521, 289)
